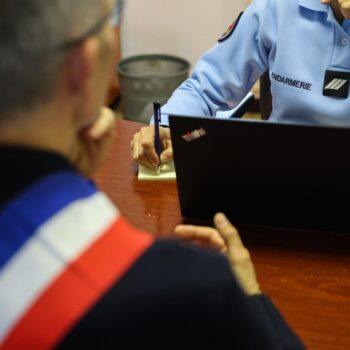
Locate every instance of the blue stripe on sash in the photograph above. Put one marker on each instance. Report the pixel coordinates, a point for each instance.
(36, 205)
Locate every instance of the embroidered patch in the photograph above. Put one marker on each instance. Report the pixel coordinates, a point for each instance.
(291, 82)
(336, 84)
(230, 29)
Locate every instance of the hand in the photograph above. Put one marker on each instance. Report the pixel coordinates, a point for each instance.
(95, 143)
(342, 5)
(225, 238)
(143, 150)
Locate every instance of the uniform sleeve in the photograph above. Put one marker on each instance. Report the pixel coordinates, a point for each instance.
(226, 73)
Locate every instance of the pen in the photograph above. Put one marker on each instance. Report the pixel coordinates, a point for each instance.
(156, 107)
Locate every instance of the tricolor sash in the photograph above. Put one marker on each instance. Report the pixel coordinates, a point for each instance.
(63, 244)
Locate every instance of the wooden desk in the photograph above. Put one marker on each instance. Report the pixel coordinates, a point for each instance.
(307, 274)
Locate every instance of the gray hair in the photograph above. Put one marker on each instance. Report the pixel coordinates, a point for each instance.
(30, 33)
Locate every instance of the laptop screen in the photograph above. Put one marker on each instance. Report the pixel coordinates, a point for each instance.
(262, 172)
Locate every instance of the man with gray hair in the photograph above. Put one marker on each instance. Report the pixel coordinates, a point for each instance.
(73, 272)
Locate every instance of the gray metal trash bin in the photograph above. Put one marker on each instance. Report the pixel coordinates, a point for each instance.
(148, 78)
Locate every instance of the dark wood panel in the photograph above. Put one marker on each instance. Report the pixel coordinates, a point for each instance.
(306, 273)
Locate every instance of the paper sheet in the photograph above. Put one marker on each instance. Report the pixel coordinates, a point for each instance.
(167, 172)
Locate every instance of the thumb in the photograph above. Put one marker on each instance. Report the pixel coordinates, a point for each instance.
(228, 232)
(104, 123)
(166, 155)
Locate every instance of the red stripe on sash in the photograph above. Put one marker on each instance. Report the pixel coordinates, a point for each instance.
(78, 288)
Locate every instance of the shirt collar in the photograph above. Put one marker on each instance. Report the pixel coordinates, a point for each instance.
(314, 5)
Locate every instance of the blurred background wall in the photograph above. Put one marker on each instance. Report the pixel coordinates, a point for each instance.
(185, 28)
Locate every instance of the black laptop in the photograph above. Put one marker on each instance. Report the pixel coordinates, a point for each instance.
(263, 173)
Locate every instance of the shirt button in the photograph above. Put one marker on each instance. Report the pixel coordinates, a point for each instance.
(344, 42)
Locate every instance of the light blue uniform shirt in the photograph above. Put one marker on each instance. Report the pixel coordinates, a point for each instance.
(296, 40)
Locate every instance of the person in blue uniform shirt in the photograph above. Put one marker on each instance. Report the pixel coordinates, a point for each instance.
(303, 44)
(74, 274)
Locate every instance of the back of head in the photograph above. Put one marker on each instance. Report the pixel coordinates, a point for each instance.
(33, 34)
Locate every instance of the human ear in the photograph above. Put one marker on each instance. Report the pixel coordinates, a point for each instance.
(80, 79)
(80, 66)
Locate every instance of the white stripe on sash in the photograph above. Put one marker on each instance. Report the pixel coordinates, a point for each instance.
(54, 245)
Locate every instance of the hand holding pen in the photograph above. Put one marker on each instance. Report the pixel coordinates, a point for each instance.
(143, 144)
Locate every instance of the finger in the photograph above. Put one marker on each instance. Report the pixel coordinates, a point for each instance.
(148, 154)
(147, 150)
(147, 135)
(205, 235)
(134, 147)
(227, 231)
(137, 152)
(143, 159)
(326, 1)
(164, 132)
(166, 155)
(200, 243)
(165, 137)
(104, 124)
